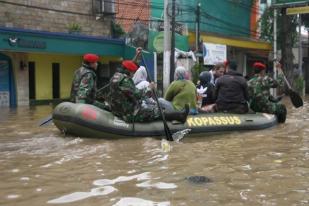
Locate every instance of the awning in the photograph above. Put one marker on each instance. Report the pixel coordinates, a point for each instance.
(241, 43)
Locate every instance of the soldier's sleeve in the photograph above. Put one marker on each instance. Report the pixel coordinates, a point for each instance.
(280, 79)
(250, 89)
(270, 82)
(128, 88)
(85, 87)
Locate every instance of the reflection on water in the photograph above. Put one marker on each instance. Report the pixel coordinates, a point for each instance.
(39, 166)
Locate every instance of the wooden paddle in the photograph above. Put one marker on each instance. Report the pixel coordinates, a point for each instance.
(167, 131)
(46, 120)
(296, 99)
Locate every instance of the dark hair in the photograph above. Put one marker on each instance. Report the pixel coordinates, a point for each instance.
(233, 65)
(218, 66)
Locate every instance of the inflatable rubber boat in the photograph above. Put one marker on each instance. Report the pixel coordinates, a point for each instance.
(86, 120)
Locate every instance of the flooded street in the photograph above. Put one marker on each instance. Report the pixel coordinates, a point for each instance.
(39, 166)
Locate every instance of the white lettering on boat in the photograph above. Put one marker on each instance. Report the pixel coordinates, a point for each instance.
(213, 121)
(268, 116)
(120, 123)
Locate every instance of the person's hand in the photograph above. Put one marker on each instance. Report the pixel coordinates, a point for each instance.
(152, 85)
(139, 50)
(278, 66)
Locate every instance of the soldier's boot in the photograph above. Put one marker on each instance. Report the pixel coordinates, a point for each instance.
(281, 113)
(180, 116)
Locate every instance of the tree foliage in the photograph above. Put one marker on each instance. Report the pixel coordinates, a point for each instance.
(117, 30)
(267, 27)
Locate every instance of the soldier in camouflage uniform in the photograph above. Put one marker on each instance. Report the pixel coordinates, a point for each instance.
(126, 100)
(84, 87)
(259, 93)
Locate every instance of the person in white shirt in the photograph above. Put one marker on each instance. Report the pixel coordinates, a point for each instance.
(140, 78)
(216, 72)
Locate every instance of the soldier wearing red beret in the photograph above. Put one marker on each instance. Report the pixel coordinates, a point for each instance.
(84, 87)
(126, 101)
(259, 92)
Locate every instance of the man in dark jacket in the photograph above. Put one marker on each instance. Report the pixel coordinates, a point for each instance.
(231, 91)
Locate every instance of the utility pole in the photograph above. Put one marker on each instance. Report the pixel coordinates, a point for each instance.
(167, 48)
(172, 60)
(197, 27)
(274, 92)
(300, 51)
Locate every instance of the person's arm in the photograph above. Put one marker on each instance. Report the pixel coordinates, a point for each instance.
(85, 87)
(246, 93)
(128, 88)
(271, 82)
(169, 95)
(137, 56)
(280, 77)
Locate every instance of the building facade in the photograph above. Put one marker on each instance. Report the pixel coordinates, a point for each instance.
(231, 23)
(42, 43)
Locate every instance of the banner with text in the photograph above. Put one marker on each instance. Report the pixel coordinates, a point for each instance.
(214, 53)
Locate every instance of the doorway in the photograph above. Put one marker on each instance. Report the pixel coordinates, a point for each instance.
(56, 80)
(7, 84)
(31, 67)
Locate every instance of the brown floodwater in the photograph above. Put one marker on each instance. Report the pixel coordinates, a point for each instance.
(39, 166)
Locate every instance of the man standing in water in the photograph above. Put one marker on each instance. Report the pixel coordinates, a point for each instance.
(84, 87)
(259, 92)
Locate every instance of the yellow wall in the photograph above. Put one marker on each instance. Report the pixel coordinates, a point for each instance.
(43, 73)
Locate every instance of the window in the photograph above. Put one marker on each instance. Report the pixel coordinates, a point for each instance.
(103, 6)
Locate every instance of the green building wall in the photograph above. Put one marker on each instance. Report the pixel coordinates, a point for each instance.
(229, 18)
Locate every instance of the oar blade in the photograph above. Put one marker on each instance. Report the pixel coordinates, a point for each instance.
(296, 99)
(46, 120)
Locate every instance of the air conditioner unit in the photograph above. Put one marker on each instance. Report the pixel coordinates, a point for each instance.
(105, 7)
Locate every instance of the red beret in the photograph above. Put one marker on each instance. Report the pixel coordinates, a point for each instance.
(129, 65)
(91, 58)
(259, 65)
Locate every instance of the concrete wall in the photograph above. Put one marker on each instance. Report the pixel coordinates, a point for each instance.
(53, 16)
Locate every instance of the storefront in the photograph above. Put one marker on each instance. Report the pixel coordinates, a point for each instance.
(37, 67)
(244, 51)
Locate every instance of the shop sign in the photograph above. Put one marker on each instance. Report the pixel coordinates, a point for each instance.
(214, 53)
(297, 10)
(14, 41)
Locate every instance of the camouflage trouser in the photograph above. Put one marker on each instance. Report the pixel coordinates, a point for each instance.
(147, 112)
(267, 106)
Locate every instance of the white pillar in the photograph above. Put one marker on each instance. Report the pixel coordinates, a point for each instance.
(167, 48)
(300, 51)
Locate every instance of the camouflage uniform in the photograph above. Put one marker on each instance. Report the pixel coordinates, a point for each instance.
(126, 100)
(84, 87)
(260, 98)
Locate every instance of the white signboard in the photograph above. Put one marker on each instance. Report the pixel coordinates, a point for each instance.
(214, 53)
